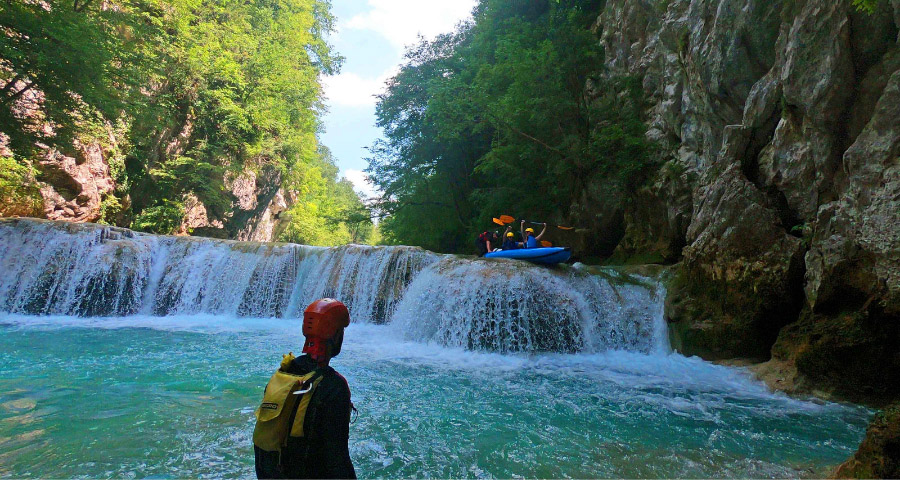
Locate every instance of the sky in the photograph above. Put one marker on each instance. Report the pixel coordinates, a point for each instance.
(372, 35)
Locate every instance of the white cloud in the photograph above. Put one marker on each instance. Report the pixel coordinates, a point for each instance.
(401, 21)
(351, 90)
(361, 183)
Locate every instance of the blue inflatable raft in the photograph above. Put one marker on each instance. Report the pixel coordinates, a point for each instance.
(543, 255)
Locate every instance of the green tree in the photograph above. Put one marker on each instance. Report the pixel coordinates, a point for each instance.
(512, 113)
(75, 60)
(326, 212)
(198, 91)
(240, 90)
(18, 195)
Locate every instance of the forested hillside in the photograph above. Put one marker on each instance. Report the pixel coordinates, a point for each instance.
(752, 144)
(192, 116)
(513, 113)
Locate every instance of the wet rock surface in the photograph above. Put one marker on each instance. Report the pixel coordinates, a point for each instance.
(879, 454)
(780, 125)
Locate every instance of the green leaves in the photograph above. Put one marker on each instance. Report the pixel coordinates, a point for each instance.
(498, 116)
(68, 58)
(201, 89)
(327, 212)
(866, 5)
(162, 219)
(19, 194)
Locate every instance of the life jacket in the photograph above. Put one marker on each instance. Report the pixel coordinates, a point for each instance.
(283, 409)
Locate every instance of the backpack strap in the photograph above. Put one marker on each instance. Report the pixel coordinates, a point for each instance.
(305, 388)
(311, 412)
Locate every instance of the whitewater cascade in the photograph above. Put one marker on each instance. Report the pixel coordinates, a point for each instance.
(53, 268)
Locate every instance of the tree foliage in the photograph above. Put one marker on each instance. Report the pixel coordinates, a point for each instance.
(202, 90)
(81, 59)
(327, 212)
(866, 5)
(18, 195)
(511, 113)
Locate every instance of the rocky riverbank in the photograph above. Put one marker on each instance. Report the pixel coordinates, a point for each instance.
(780, 122)
(783, 122)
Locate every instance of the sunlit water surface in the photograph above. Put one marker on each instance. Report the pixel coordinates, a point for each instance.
(174, 397)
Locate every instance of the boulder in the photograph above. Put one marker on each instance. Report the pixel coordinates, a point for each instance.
(879, 453)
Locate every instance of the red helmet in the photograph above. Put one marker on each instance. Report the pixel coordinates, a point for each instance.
(323, 326)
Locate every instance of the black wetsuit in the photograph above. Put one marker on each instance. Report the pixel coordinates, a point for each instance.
(323, 453)
(481, 244)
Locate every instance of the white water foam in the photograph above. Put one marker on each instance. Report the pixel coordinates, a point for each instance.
(60, 270)
(505, 305)
(648, 373)
(87, 270)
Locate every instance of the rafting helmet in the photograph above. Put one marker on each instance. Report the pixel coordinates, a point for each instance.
(510, 234)
(529, 230)
(323, 326)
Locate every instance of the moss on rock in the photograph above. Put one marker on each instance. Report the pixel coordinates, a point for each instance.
(879, 453)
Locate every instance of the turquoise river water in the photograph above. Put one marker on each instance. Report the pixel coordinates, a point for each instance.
(173, 397)
(126, 355)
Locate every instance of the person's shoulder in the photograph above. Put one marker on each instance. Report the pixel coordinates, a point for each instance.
(341, 379)
(336, 381)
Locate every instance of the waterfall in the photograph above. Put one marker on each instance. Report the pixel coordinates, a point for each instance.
(51, 268)
(91, 270)
(514, 306)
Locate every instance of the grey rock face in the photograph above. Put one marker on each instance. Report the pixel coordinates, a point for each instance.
(781, 121)
(856, 246)
(73, 187)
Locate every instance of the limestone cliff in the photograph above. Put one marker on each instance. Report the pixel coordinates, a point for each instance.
(780, 122)
(79, 184)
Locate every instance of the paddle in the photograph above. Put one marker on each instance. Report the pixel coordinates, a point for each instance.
(557, 226)
(504, 219)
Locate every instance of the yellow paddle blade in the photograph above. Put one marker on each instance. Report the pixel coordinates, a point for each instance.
(545, 243)
(507, 219)
(565, 228)
(499, 222)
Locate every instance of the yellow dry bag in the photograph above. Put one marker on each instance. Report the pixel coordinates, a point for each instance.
(283, 408)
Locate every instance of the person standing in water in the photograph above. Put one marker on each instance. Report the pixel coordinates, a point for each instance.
(303, 423)
(528, 234)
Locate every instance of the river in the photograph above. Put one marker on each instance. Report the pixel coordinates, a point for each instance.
(134, 355)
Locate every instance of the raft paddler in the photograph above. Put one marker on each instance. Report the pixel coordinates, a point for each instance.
(510, 242)
(528, 234)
